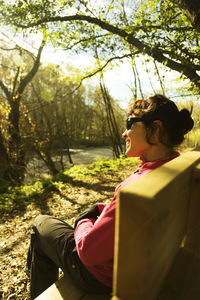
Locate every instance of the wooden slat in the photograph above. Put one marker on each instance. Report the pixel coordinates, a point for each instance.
(64, 289)
(96, 297)
(192, 242)
(150, 224)
(183, 280)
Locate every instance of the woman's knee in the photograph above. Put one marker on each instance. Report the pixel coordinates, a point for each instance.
(40, 219)
(49, 229)
(40, 223)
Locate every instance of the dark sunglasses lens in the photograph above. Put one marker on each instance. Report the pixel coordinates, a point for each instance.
(129, 123)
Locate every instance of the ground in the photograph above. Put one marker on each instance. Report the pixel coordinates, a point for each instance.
(15, 225)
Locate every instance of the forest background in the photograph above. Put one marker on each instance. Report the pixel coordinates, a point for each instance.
(49, 109)
(46, 109)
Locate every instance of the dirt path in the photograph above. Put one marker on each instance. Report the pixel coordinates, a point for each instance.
(15, 226)
(80, 156)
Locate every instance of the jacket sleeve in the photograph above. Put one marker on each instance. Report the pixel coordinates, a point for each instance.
(95, 238)
(101, 206)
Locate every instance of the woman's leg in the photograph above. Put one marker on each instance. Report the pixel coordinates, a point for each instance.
(51, 239)
(52, 247)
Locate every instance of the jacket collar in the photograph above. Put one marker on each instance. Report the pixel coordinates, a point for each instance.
(146, 165)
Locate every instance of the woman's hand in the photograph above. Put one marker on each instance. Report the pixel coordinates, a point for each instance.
(91, 212)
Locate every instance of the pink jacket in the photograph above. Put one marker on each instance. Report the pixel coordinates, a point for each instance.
(95, 238)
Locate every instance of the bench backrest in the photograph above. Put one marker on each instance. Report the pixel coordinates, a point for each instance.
(151, 219)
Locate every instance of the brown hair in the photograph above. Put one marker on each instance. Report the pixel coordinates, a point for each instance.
(158, 107)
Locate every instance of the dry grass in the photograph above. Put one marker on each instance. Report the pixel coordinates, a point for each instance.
(16, 224)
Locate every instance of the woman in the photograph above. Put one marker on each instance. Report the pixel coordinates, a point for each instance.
(85, 252)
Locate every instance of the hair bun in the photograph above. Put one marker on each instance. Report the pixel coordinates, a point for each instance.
(186, 121)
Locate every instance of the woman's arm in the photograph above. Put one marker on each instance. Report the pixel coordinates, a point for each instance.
(95, 238)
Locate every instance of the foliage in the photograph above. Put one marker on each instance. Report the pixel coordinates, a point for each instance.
(102, 165)
(52, 113)
(156, 28)
(59, 114)
(113, 30)
(191, 10)
(192, 139)
(20, 196)
(15, 75)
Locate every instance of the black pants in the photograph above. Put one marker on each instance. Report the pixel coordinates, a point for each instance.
(52, 247)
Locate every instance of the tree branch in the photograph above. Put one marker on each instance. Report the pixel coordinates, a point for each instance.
(160, 80)
(32, 72)
(146, 27)
(105, 65)
(157, 54)
(192, 10)
(87, 8)
(15, 80)
(8, 49)
(86, 40)
(94, 20)
(5, 90)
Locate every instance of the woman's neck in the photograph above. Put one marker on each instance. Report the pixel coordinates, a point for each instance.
(157, 152)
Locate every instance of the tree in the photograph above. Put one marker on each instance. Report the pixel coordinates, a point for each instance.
(14, 80)
(111, 121)
(52, 108)
(156, 28)
(58, 116)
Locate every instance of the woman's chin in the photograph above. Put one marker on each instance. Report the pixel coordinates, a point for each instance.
(131, 154)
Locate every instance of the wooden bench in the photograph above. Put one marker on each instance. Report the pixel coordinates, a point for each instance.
(157, 238)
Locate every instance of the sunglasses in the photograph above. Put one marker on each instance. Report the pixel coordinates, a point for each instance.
(131, 120)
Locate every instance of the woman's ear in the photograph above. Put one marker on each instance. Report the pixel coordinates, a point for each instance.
(155, 137)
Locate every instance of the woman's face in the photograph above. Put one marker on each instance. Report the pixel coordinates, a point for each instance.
(136, 144)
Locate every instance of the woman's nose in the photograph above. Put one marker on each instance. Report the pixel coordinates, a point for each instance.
(124, 134)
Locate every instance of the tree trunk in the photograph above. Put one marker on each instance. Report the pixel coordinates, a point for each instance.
(191, 8)
(50, 164)
(14, 152)
(4, 162)
(112, 124)
(69, 156)
(46, 157)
